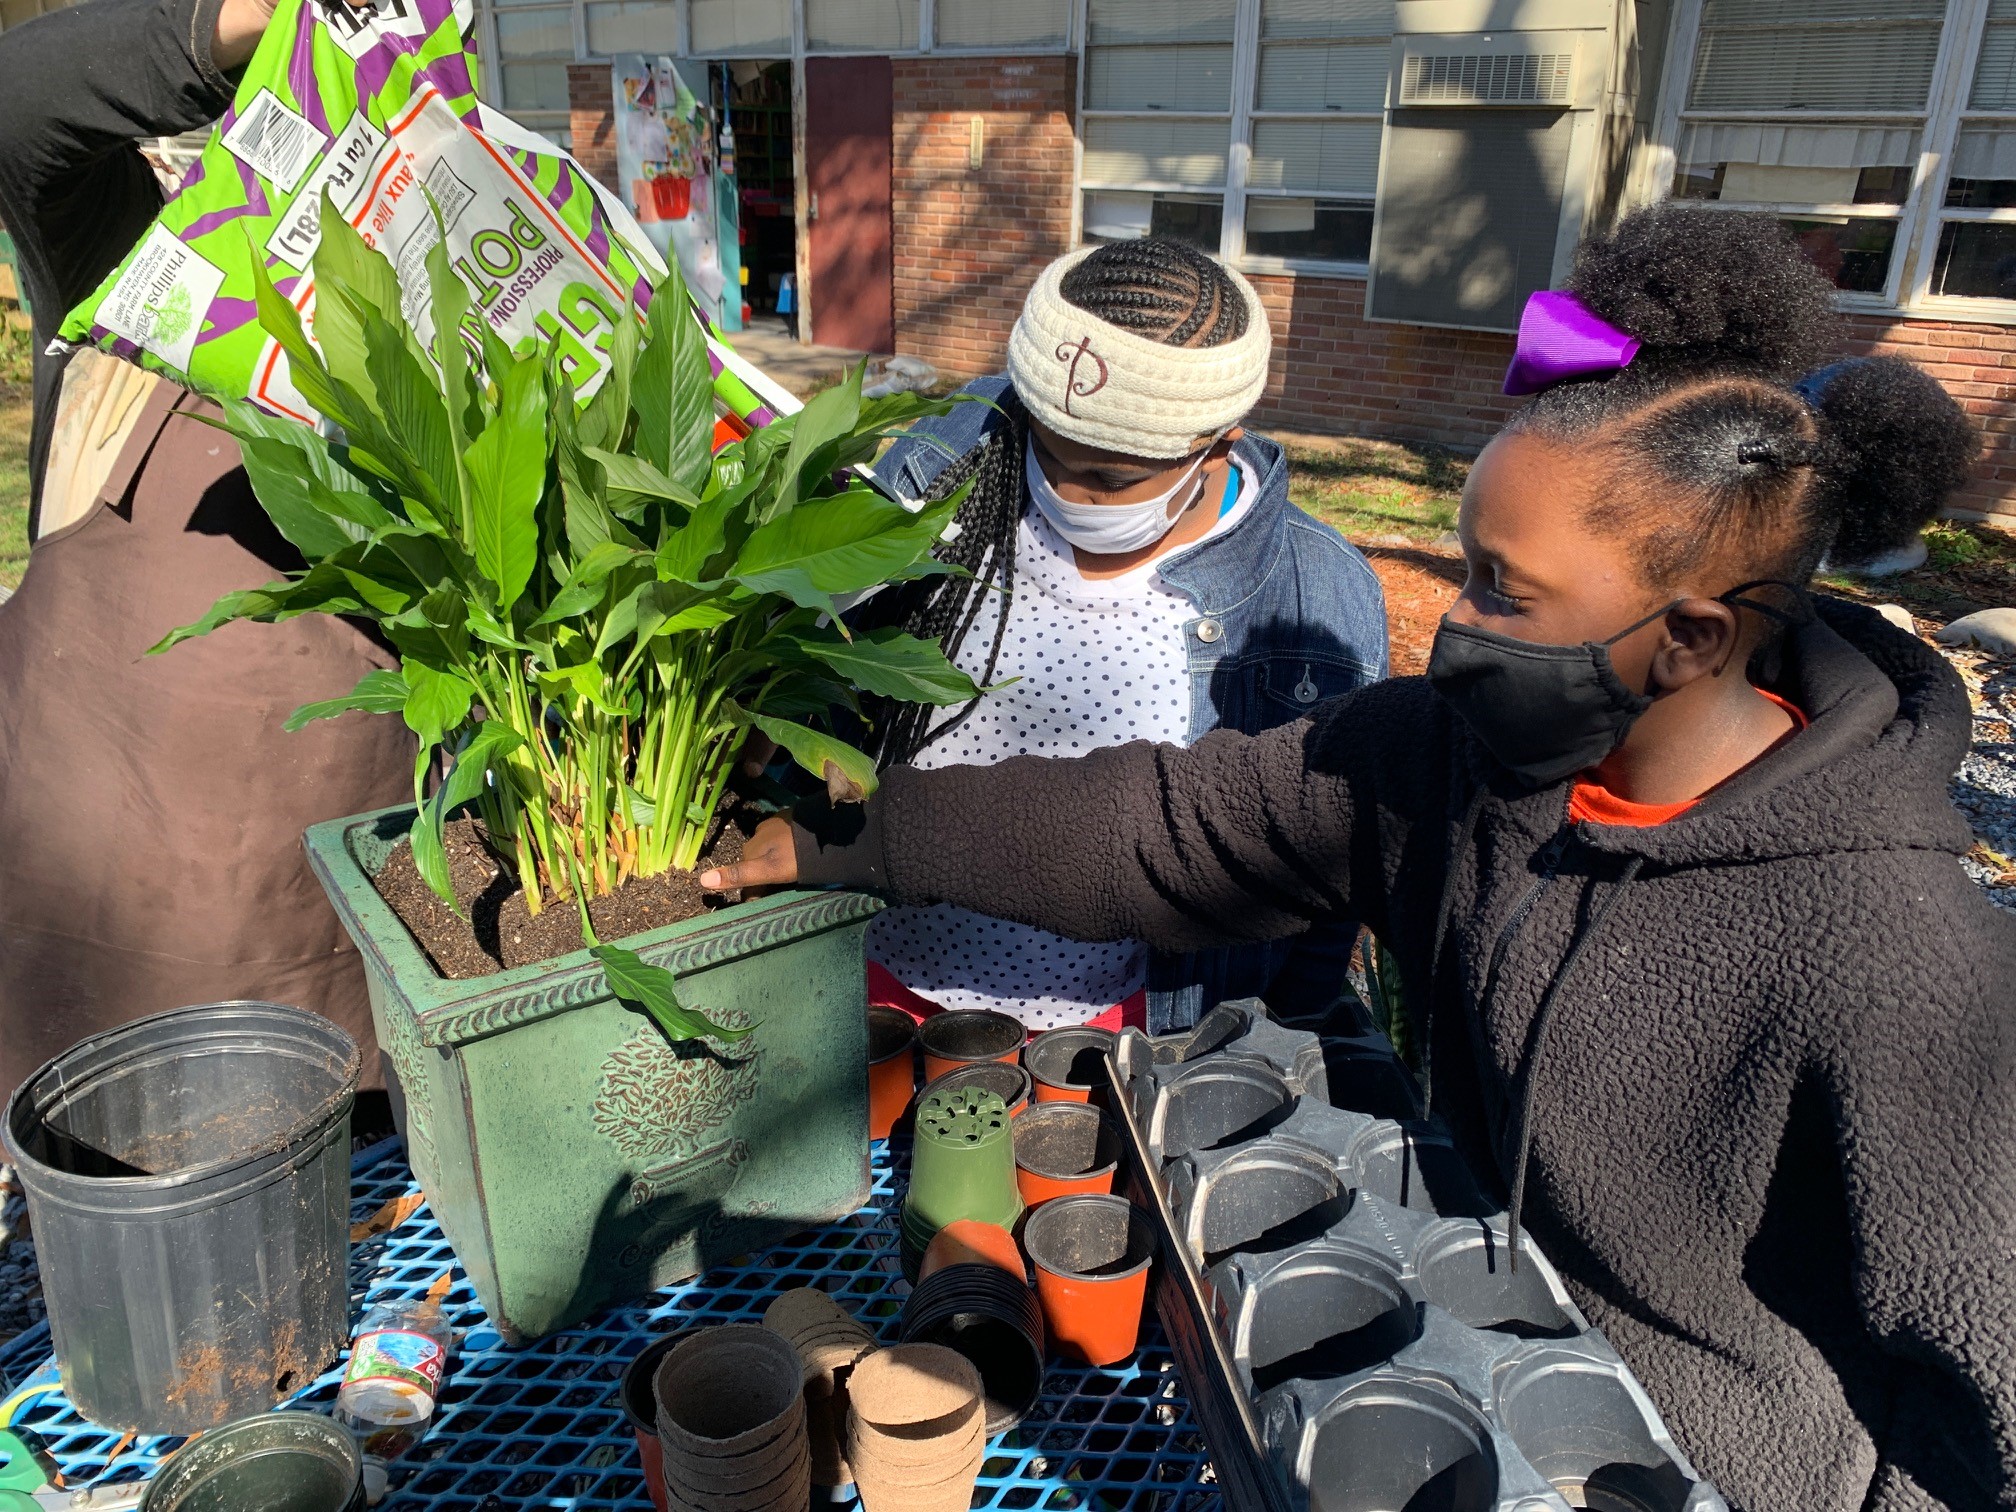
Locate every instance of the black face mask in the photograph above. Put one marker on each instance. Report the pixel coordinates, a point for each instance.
(1546, 712)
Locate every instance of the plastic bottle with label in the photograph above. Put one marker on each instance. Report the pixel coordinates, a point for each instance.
(393, 1381)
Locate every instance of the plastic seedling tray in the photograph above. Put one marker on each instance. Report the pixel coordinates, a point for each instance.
(1337, 1292)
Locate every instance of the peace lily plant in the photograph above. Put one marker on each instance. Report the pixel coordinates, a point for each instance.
(593, 608)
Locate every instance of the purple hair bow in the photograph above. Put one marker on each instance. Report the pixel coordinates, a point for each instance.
(1561, 337)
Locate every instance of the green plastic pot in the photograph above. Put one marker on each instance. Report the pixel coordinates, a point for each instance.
(962, 1165)
(573, 1155)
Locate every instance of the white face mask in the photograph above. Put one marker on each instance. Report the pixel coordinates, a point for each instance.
(1111, 529)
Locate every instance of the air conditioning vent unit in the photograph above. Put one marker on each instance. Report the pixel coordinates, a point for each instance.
(1500, 78)
(1487, 162)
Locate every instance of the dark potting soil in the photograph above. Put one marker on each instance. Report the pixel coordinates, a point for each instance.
(495, 931)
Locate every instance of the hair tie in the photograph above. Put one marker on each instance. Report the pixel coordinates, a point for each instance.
(1560, 338)
(1813, 387)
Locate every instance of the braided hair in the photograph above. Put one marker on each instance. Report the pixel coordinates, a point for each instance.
(1164, 290)
(1720, 452)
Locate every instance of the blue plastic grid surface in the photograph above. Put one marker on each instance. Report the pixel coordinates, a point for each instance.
(540, 1427)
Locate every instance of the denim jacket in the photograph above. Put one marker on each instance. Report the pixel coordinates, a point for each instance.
(1288, 614)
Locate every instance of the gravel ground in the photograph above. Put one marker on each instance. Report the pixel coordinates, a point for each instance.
(1985, 791)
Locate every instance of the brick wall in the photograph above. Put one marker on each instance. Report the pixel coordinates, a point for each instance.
(591, 106)
(1335, 371)
(969, 242)
(1977, 364)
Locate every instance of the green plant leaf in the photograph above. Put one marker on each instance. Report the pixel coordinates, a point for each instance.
(840, 544)
(451, 307)
(891, 663)
(380, 692)
(312, 497)
(607, 416)
(507, 474)
(415, 415)
(583, 589)
(638, 479)
(836, 763)
(493, 738)
(650, 989)
(353, 283)
(583, 680)
(687, 552)
(430, 854)
(279, 319)
(673, 389)
(826, 418)
(436, 702)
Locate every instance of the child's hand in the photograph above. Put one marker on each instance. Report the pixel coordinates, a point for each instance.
(770, 859)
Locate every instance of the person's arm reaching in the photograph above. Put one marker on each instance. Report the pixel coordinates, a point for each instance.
(79, 90)
(1235, 838)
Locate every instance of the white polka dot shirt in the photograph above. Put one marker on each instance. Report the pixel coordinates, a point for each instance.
(1099, 663)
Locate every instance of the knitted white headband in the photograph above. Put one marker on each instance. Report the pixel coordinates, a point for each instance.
(1110, 388)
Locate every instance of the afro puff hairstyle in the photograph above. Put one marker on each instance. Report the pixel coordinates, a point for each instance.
(1720, 453)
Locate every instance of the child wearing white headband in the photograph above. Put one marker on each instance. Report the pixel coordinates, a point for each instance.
(1137, 572)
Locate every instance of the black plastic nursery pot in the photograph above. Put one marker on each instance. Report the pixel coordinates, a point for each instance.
(188, 1176)
(275, 1462)
(993, 1319)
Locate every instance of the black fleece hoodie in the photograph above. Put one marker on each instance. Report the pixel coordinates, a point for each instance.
(1771, 1113)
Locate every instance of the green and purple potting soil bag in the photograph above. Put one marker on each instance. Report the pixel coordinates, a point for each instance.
(378, 107)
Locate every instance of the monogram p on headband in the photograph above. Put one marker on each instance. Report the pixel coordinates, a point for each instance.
(1121, 392)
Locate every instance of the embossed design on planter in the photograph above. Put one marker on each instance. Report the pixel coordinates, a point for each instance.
(660, 1103)
(401, 1038)
(586, 983)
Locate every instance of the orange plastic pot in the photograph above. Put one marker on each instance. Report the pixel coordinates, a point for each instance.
(967, 1036)
(968, 1241)
(892, 1068)
(1092, 1257)
(1068, 1065)
(1065, 1149)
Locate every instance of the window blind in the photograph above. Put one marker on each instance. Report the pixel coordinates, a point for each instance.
(724, 28)
(646, 26)
(1793, 146)
(1118, 22)
(1985, 152)
(1816, 55)
(1995, 67)
(1324, 75)
(861, 25)
(991, 23)
(1325, 20)
(1191, 77)
(1190, 154)
(535, 34)
(1337, 157)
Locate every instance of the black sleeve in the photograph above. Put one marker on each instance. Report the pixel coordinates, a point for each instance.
(1236, 838)
(79, 90)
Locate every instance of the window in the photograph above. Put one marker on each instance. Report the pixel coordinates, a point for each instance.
(640, 26)
(873, 26)
(1262, 144)
(1031, 25)
(741, 28)
(1976, 254)
(1814, 110)
(534, 44)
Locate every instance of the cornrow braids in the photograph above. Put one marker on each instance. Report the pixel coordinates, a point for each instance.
(945, 608)
(1163, 289)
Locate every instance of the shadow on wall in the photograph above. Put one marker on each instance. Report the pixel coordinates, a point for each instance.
(970, 242)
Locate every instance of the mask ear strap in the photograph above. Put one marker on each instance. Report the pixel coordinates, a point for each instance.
(1636, 625)
(1734, 599)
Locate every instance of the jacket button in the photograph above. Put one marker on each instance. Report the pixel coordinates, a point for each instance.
(1209, 631)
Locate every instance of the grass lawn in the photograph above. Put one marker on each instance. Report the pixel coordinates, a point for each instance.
(13, 483)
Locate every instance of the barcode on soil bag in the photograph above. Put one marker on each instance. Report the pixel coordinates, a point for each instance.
(274, 142)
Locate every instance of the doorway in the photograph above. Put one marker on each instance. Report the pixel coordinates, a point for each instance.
(849, 121)
(759, 113)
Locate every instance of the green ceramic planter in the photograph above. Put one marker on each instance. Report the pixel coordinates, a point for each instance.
(572, 1154)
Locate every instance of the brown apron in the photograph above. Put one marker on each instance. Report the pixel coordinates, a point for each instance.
(151, 807)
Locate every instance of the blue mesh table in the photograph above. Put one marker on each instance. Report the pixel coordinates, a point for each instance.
(540, 1427)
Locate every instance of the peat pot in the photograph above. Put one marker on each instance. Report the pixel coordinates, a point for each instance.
(573, 1155)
